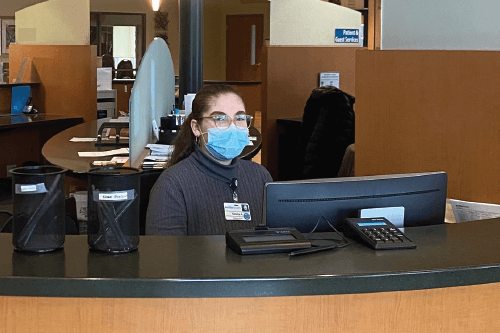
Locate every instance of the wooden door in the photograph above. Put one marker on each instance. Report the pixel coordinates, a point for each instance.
(239, 37)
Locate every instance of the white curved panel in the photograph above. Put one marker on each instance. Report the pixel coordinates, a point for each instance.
(152, 96)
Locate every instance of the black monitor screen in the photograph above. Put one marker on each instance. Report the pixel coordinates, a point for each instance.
(301, 203)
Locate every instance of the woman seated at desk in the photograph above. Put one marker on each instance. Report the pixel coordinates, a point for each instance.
(207, 190)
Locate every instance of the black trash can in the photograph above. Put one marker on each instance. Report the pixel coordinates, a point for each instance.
(38, 194)
(113, 209)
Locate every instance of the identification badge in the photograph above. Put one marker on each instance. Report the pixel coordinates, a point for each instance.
(237, 211)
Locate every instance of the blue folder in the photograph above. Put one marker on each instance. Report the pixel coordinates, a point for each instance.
(20, 96)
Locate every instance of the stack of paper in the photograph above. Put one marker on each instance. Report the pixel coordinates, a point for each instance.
(160, 150)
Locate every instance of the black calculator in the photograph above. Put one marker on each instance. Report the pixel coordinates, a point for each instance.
(378, 233)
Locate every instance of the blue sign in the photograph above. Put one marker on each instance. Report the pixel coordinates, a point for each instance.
(347, 36)
(20, 96)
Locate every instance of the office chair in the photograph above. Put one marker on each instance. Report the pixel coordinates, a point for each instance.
(123, 73)
(327, 130)
(109, 61)
(347, 166)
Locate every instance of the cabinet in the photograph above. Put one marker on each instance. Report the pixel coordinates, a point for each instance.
(6, 94)
(106, 103)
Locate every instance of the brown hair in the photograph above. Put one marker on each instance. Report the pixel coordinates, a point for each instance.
(184, 142)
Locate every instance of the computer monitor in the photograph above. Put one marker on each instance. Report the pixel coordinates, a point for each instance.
(301, 203)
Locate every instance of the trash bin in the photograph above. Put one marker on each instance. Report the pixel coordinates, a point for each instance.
(38, 223)
(113, 209)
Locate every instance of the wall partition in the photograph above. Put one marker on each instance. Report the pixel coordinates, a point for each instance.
(54, 22)
(440, 25)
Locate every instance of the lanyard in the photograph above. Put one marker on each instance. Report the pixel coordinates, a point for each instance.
(234, 185)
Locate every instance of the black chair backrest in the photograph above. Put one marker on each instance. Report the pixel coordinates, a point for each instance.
(327, 130)
(124, 74)
(109, 61)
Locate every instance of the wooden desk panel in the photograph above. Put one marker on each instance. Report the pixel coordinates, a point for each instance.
(457, 309)
(123, 91)
(22, 140)
(67, 76)
(450, 283)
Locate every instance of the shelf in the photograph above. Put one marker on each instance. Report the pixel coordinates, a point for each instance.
(6, 85)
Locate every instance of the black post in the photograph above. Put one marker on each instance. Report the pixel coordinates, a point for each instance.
(191, 47)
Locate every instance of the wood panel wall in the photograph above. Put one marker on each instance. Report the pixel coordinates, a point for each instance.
(123, 91)
(252, 96)
(458, 309)
(67, 76)
(291, 73)
(5, 99)
(428, 111)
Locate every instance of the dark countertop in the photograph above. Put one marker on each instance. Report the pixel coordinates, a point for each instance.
(201, 266)
(8, 121)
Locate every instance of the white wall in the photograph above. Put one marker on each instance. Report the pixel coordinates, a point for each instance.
(309, 22)
(214, 16)
(440, 25)
(55, 22)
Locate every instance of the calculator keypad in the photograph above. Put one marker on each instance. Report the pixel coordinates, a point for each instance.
(385, 235)
(378, 233)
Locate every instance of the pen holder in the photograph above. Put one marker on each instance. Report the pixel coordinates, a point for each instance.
(39, 208)
(113, 209)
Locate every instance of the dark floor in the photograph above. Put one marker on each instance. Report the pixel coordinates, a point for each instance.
(6, 194)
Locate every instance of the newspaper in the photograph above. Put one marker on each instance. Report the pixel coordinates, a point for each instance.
(470, 211)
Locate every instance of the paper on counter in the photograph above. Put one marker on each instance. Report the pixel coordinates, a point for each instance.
(158, 149)
(470, 211)
(158, 158)
(119, 159)
(74, 139)
(104, 78)
(119, 120)
(103, 153)
(110, 138)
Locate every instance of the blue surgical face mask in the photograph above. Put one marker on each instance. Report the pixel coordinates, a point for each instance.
(227, 144)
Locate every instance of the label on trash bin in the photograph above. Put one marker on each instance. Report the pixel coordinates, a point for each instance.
(114, 196)
(30, 188)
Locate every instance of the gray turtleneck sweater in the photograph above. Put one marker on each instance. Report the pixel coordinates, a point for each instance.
(188, 198)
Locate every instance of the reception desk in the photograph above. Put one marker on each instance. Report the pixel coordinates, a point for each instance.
(23, 136)
(449, 283)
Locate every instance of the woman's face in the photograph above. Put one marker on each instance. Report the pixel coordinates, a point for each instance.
(230, 104)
